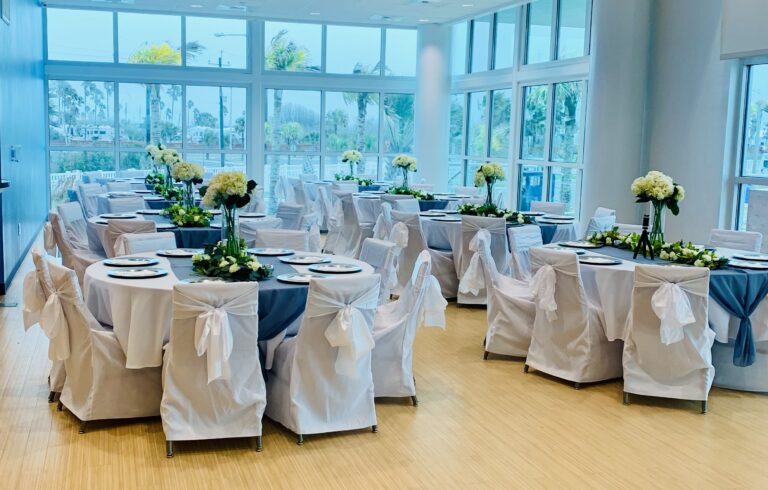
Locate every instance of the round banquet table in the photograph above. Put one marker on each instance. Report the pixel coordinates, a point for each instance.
(186, 237)
(140, 310)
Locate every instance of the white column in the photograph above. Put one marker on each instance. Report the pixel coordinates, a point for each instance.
(432, 106)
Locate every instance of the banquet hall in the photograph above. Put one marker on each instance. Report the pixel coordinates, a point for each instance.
(383, 243)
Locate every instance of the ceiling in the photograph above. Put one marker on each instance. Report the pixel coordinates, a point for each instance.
(396, 12)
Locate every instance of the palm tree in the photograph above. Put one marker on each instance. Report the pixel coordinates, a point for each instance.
(174, 92)
(109, 88)
(362, 99)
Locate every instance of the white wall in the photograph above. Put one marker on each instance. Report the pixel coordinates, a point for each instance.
(688, 111)
(743, 28)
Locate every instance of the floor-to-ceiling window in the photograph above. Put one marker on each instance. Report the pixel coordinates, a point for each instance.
(520, 80)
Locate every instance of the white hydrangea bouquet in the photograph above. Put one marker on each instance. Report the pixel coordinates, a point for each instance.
(352, 158)
(167, 158)
(189, 174)
(229, 191)
(487, 175)
(405, 163)
(662, 192)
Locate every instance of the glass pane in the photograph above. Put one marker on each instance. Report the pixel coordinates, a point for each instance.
(353, 50)
(571, 28)
(81, 113)
(149, 39)
(398, 123)
(455, 173)
(459, 48)
(531, 186)
(68, 41)
(230, 162)
(504, 46)
(481, 31)
(400, 53)
(66, 169)
(213, 42)
(457, 125)
(351, 121)
(566, 131)
(564, 186)
(477, 135)
(288, 165)
(501, 112)
(135, 160)
(539, 31)
(150, 113)
(534, 122)
(293, 120)
(368, 168)
(755, 163)
(216, 118)
(292, 47)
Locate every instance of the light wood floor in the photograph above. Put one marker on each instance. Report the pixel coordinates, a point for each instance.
(479, 424)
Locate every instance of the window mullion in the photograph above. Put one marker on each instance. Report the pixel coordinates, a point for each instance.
(553, 35)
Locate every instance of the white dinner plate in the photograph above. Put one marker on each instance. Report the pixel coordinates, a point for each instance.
(577, 251)
(271, 252)
(465, 196)
(298, 278)
(448, 219)
(579, 244)
(178, 252)
(117, 216)
(142, 191)
(431, 214)
(745, 264)
(755, 257)
(215, 212)
(154, 198)
(335, 268)
(122, 194)
(147, 273)
(149, 211)
(558, 217)
(366, 196)
(252, 215)
(592, 260)
(374, 192)
(450, 212)
(305, 260)
(532, 213)
(216, 225)
(553, 221)
(203, 280)
(165, 226)
(131, 261)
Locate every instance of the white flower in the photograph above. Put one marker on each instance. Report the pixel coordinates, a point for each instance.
(489, 173)
(699, 263)
(520, 219)
(196, 218)
(352, 156)
(680, 193)
(672, 256)
(599, 236)
(223, 185)
(234, 268)
(706, 258)
(608, 241)
(181, 211)
(254, 265)
(664, 255)
(223, 263)
(404, 161)
(185, 171)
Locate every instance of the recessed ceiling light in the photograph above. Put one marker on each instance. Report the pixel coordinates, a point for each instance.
(314, 13)
(196, 6)
(423, 20)
(465, 5)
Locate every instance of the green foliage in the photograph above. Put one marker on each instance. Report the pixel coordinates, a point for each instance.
(493, 211)
(407, 191)
(185, 216)
(215, 262)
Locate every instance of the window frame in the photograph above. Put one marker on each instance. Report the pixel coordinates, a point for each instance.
(554, 39)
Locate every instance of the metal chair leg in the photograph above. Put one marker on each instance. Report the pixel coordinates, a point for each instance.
(485, 355)
(704, 407)
(83, 423)
(169, 449)
(59, 406)
(525, 368)
(374, 428)
(299, 439)
(626, 398)
(576, 386)
(415, 401)
(259, 445)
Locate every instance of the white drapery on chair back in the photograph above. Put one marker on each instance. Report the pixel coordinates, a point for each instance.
(600, 224)
(668, 350)
(473, 281)
(738, 240)
(383, 226)
(324, 207)
(497, 231)
(310, 223)
(568, 339)
(350, 235)
(322, 379)
(601, 212)
(285, 189)
(248, 227)
(125, 204)
(270, 238)
(413, 248)
(423, 187)
(407, 205)
(382, 256)
(345, 186)
(135, 243)
(393, 198)
(256, 204)
(116, 228)
(548, 207)
(87, 194)
(76, 259)
(626, 228)
(290, 214)
(521, 240)
(468, 191)
(73, 219)
(119, 187)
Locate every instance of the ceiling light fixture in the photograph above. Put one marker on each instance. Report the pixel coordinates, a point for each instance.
(423, 20)
(314, 13)
(465, 5)
(196, 6)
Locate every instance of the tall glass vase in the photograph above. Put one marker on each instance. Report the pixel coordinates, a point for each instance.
(405, 178)
(656, 234)
(489, 196)
(230, 235)
(189, 195)
(168, 178)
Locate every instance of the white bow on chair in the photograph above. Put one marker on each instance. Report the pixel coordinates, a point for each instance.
(672, 306)
(433, 309)
(49, 240)
(473, 280)
(348, 330)
(54, 324)
(543, 289)
(383, 226)
(34, 300)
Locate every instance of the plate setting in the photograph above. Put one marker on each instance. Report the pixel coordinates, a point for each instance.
(582, 244)
(131, 262)
(154, 198)
(429, 214)
(532, 213)
(547, 221)
(335, 268)
(271, 252)
(252, 215)
(593, 260)
(447, 219)
(165, 226)
(149, 211)
(305, 260)
(178, 252)
(745, 264)
(298, 277)
(143, 273)
(755, 257)
(117, 216)
(558, 217)
(577, 251)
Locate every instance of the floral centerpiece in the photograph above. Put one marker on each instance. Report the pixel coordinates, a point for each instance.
(185, 216)
(164, 157)
(352, 158)
(406, 164)
(662, 192)
(420, 195)
(487, 175)
(492, 211)
(216, 262)
(230, 191)
(189, 174)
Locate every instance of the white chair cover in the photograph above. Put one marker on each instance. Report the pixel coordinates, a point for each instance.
(75, 259)
(71, 216)
(468, 191)
(119, 187)
(290, 214)
(98, 385)
(668, 349)
(345, 187)
(49, 240)
(275, 238)
(135, 243)
(625, 228)
(125, 204)
(443, 267)
(383, 226)
(285, 189)
(324, 207)
(521, 240)
(248, 227)
(470, 226)
(407, 205)
(382, 256)
(321, 379)
(738, 240)
(548, 207)
(116, 228)
(310, 223)
(334, 220)
(599, 224)
(212, 382)
(256, 204)
(350, 235)
(87, 195)
(568, 339)
(601, 212)
(423, 187)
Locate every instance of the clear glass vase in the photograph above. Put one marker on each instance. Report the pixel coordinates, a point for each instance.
(405, 178)
(656, 235)
(189, 195)
(168, 178)
(230, 236)
(489, 196)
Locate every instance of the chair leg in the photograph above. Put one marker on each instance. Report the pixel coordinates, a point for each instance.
(299, 439)
(51, 396)
(374, 428)
(704, 407)
(168, 449)
(259, 444)
(59, 406)
(626, 398)
(485, 355)
(576, 386)
(525, 368)
(83, 423)
(415, 401)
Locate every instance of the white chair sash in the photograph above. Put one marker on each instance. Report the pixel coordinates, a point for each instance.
(49, 240)
(34, 300)
(213, 335)
(473, 280)
(672, 306)
(56, 328)
(348, 330)
(383, 227)
(433, 309)
(543, 290)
